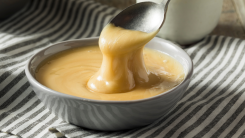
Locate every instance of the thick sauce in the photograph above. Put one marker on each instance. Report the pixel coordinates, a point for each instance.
(127, 71)
(123, 66)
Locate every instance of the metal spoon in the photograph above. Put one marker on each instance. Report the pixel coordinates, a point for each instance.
(146, 16)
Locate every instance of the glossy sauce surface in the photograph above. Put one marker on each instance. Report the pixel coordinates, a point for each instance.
(116, 70)
(69, 71)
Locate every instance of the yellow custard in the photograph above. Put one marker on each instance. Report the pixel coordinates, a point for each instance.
(119, 69)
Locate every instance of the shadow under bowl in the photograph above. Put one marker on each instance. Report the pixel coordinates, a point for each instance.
(109, 115)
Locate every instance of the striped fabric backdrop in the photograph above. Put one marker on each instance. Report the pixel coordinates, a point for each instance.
(213, 105)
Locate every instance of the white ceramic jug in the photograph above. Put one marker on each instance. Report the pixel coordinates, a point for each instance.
(188, 21)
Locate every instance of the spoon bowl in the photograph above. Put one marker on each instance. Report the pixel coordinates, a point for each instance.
(145, 17)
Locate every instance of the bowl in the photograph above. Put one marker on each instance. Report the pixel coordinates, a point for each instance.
(109, 115)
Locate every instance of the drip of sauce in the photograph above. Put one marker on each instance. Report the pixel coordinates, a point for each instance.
(127, 71)
(123, 66)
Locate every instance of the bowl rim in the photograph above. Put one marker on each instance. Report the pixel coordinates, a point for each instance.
(31, 78)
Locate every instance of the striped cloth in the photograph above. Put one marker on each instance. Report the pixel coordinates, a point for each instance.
(213, 105)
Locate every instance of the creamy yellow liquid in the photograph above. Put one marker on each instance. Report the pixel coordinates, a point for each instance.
(122, 67)
(127, 72)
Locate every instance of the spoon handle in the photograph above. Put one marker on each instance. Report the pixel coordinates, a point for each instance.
(164, 4)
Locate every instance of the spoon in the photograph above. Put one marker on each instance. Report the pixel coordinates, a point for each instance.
(146, 16)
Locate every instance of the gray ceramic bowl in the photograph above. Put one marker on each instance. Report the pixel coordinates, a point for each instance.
(109, 115)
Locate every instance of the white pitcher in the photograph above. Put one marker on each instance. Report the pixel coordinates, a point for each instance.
(188, 21)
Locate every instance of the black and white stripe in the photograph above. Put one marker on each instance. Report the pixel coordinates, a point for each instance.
(212, 106)
(32, 29)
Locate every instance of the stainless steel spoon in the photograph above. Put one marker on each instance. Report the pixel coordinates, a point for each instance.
(146, 16)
